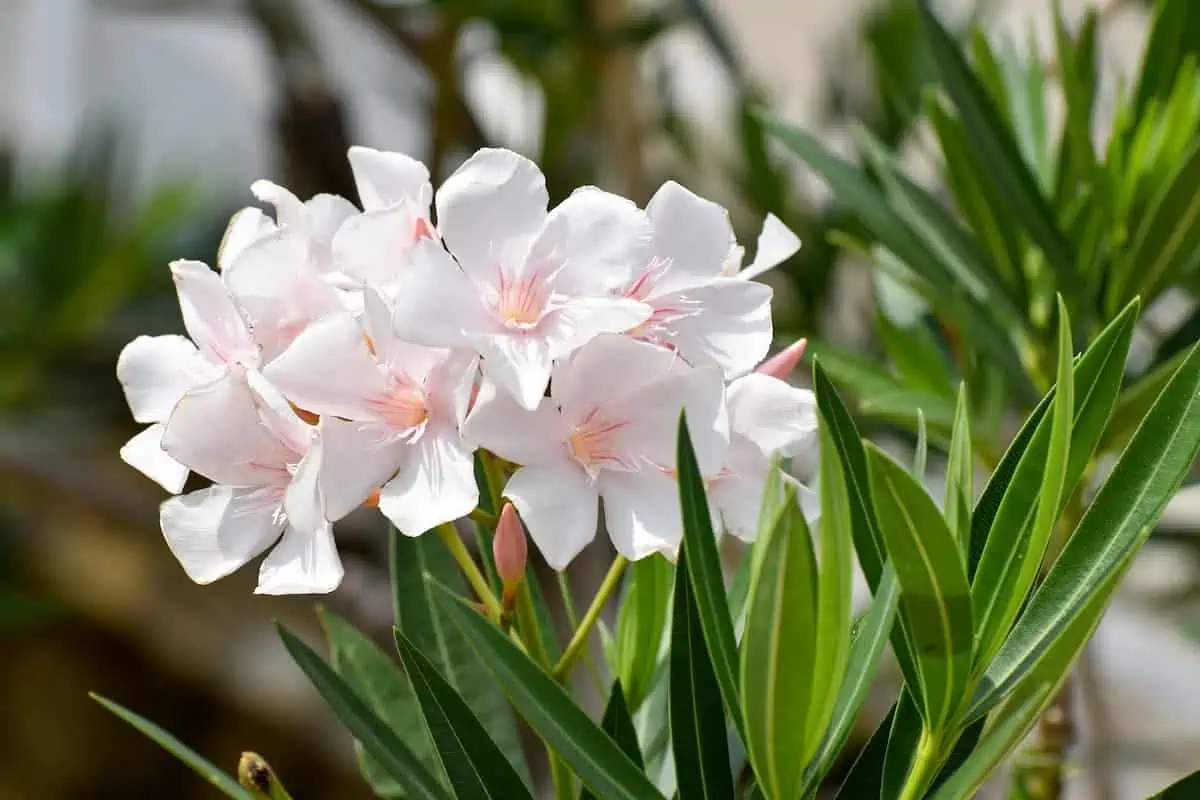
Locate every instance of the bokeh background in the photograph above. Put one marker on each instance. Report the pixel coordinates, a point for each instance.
(131, 129)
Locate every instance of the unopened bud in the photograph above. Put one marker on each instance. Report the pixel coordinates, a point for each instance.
(782, 363)
(509, 549)
(255, 774)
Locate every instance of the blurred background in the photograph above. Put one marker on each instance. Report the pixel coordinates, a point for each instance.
(131, 129)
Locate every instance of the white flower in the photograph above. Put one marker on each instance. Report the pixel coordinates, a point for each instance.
(776, 244)
(401, 407)
(608, 432)
(710, 318)
(156, 371)
(767, 417)
(264, 462)
(371, 248)
(533, 286)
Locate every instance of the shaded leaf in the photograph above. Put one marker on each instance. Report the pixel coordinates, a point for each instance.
(641, 623)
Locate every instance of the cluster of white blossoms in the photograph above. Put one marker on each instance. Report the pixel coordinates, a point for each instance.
(340, 355)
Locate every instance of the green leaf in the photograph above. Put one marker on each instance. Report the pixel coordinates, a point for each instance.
(915, 355)
(473, 762)
(549, 710)
(835, 589)
(865, 777)
(708, 581)
(868, 641)
(903, 406)
(1010, 563)
(779, 650)
(864, 376)
(618, 723)
(221, 781)
(365, 725)
(903, 739)
(993, 140)
(414, 564)
(992, 749)
(868, 541)
(1135, 401)
(377, 679)
(1167, 239)
(697, 717)
(935, 599)
(1009, 500)
(921, 454)
(1183, 789)
(1131, 501)
(960, 476)
(641, 623)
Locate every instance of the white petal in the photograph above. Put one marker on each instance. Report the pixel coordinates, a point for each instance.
(216, 530)
(277, 414)
(245, 228)
(518, 364)
(450, 385)
(325, 214)
(155, 371)
(435, 303)
(434, 486)
(641, 513)
(606, 368)
(599, 238)
(210, 315)
(355, 461)
(145, 454)
(738, 499)
(776, 416)
(329, 370)
(494, 197)
(558, 506)
(497, 423)
(402, 358)
(217, 430)
(691, 232)
(733, 329)
(372, 247)
(385, 178)
(304, 562)
(582, 319)
(289, 209)
(776, 244)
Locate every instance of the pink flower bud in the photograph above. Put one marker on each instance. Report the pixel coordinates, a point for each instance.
(509, 547)
(782, 363)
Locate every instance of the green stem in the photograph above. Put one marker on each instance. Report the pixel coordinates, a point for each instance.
(564, 586)
(925, 766)
(578, 643)
(483, 590)
(531, 635)
(481, 517)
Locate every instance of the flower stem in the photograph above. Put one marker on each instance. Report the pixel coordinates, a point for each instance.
(481, 517)
(924, 768)
(568, 598)
(483, 590)
(578, 644)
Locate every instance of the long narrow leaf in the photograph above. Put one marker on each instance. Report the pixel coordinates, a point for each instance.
(618, 723)
(903, 739)
(473, 762)
(641, 623)
(376, 737)
(549, 710)
(708, 581)
(221, 781)
(697, 718)
(960, 476)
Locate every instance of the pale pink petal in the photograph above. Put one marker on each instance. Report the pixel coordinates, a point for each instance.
(450, 386)
(599, 239)
(519, 364)
(401, 358)
(245, 228)
(384, 178)
(732, 330)
(777, 417)
(784, 363)
(641, 513)
(605, 368)
(217, 430)
(372, 247)
(355, 461)
(289, 209)
(304, 562)
(435, 303)
(325, 214)
(497, 423)
(210, 315)
(145, 454)
(329, 369)
(155, 371)
(495, 196)
(279, 416)
(436, 484)
(776, 244)
(692, 233)
(216, 530)
(558, 505)
(581, 319)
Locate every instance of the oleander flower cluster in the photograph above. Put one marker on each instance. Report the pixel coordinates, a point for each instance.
(340, 356)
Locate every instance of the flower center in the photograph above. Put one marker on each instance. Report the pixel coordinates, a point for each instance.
(593, 445)
(403, 411)
(521, 304)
